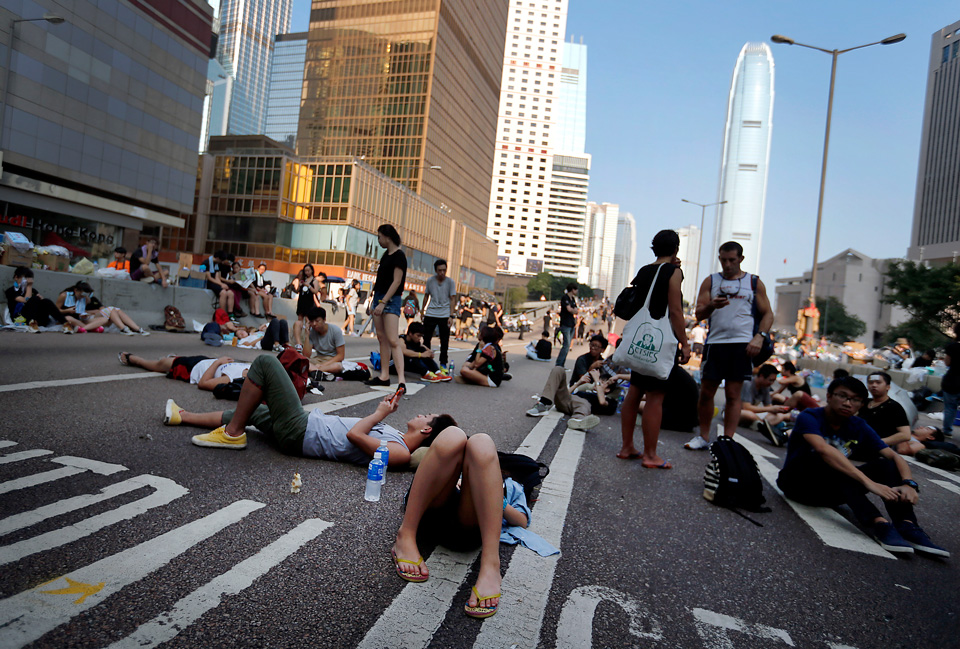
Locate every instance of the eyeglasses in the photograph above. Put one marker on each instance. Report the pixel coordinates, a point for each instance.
(849, 398)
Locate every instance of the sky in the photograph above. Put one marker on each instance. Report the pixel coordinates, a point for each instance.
(658, 81)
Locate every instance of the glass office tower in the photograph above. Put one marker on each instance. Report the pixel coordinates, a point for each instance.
(245, 50)
(407, 86)
(746, 154)
(286, 86)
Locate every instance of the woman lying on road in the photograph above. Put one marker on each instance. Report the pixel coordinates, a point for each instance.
(460, 517)
(204, 372)
(297, 432)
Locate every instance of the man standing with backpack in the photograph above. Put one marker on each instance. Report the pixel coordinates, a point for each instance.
(736, 304)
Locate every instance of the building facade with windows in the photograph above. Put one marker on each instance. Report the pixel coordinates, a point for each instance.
(746, 154)
(410, 87)
(286, 87)
(935, 236)
(101, 121)
(523, 165)
(245, 50)
(261, 202)
(624, 254)
(690, 260)
(600, 244)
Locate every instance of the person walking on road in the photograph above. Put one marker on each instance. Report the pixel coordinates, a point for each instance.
(568, 313)
(439, 309)
(731, 303)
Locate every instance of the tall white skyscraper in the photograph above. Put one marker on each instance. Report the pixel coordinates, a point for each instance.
(523, 167)
(689, 258)
(624, 254)
(245, 50)
(746, 154)
(600, 245)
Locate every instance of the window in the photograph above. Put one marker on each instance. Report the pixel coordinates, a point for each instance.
(751, 123)
(747, 167)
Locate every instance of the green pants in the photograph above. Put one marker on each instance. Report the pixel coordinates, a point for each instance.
(283, 417)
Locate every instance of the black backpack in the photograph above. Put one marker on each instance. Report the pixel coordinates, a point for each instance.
(732, 479)
(524, 470)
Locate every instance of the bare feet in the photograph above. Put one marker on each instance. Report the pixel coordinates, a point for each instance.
(655, 462)
(629, 453)
(488, 584)
(410, 562)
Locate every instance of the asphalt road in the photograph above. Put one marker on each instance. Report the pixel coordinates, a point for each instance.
(205, 548)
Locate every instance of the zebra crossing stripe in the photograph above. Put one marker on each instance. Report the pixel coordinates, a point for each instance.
(73, 466)
(166, 491)
(24, 455)
(355, 399)
(188, 610)
(949, 486)
(29, 615)
(6, 443)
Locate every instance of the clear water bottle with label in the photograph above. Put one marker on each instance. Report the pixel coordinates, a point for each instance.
(383, 454)
(450, 367)
(375, 473)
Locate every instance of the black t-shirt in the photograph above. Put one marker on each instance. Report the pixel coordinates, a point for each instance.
(885, 418)
(385, 273)
(607, 409)
(658, 301)
(951, 380)
(12, 294)
(566, 318)
(543, 348)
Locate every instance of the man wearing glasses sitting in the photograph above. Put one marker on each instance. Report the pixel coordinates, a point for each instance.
(819, 470)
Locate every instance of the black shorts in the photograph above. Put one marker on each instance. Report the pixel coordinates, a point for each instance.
(216, 288)
(697, 348)
(648, 383)
(442, 526)
(726, 362)
(183, 365)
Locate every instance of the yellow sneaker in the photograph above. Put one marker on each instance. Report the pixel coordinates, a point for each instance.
(219, 439)
(171, 414)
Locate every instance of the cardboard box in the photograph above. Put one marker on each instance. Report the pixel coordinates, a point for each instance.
(55, 262)
(184, 263)
(13, 257)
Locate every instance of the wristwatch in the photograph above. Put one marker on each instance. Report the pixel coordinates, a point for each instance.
(911, 483)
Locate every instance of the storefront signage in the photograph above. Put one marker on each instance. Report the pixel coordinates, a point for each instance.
(65, 231)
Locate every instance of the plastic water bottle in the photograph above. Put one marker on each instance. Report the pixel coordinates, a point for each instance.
(375, 473)
(383, 454)
(450, 367)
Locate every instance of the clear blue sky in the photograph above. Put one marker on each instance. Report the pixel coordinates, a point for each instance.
(658, 79)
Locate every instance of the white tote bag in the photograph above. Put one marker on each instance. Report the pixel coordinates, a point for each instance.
(649, 346)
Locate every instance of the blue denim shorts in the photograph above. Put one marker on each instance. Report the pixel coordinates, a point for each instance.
(392, 306)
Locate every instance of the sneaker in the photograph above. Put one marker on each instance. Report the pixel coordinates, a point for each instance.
(507, 376)
(767, 431)
(697, 444)
(299, 348)
(127, 331)
(583, 423)
(219, 439)
(377, 382)
(33, 327)
(890, 540)
(19, 320)
(916, 537)
(171, 414)
(431, 377)
(67, 329)
(142, 332)
(539, 410)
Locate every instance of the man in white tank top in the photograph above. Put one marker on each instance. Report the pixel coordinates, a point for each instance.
(728, 299)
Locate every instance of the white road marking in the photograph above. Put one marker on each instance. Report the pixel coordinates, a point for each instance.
(29, 615)
(949, 486)
(24, 455)
(38, 478)
(5, 443)
(575, 626)
(32, 385)
(397, 627)
(355, 399)
(832, 528)
(713, 627)
(940, 472)
(527, 581)
(188, 610)
(26, 519)
(166, 491)
(101, 468)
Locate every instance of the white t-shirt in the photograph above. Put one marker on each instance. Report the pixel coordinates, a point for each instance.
(326, 345)
(698, 334)
(326, 437)
(440, 296)
(233, 370)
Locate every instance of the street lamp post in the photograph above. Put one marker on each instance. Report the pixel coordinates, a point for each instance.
(53, 19)
(703, 211)
(778, 38)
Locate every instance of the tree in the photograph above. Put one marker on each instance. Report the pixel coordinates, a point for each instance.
(514, 296)
(931, 297)
(553, 287)
(836, 324)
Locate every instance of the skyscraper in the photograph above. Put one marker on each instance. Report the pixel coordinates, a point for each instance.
(746, 153)
(408, 86)
(624, 254)
(689, 257)
(245, 50)
(286, 87)
(523, 167)
(935, 235)
(600, 245)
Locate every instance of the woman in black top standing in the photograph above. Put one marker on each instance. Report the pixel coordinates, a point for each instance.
(387, 290)
(666, 296)
(307, 290)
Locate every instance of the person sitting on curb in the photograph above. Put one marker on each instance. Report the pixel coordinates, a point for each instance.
(326, 340)
(592, 360)
(145, 256)
(485, 365)
(461, 518)
(120, 261)
(883, 414)
(24, 302)
(418, 358)
(819, 470)
(757, 407)
(582, 407)
(542, 350)
(302, 433)
(78, 301)
(204, 372)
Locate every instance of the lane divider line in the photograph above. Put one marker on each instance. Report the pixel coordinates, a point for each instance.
(33, 385)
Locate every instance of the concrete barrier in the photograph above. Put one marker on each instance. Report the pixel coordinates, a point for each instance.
(899, 377)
